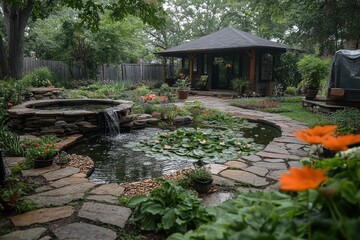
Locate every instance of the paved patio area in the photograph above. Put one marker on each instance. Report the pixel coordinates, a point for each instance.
(72, 207)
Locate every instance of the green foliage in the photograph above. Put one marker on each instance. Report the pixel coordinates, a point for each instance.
(40, 77)
(182, 85)
(285, 70)
(200, 174)
(290, 90)
(11, 193)
(190, 144)
(346, 120)
(256, 215)
(169, 208)
(41, 149)
(10, 142)
(313, 70)
(240, 86)
(24, 165)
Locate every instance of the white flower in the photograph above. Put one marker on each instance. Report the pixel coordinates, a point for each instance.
(202, 141)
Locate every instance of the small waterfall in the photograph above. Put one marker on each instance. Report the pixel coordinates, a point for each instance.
(112, 126)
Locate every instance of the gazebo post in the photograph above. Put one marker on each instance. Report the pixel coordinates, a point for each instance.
(191, 57)
(252, 68)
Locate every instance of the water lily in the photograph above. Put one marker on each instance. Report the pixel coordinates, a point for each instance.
(202, 141)
(222, 143)
(167, 147)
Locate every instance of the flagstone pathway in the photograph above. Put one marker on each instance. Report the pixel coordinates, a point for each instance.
(72, 207)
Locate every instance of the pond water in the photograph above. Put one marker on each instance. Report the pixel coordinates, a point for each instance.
(116, 163)
(87, 107)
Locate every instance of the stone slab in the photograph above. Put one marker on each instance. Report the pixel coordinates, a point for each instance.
(104, 198)
(69, 140)
(236, 164)
(41, 216)
(68, 181)
(257, 170)
(84, 231)
(28, 234)
(294, 146)
(108, 189)
(216, 168)
(277, 155)
(281, 166)
(274, 160)
(43, 189)
(288, 140)
(216, 198)
(217, 180)
(34, 172)
(62, 195)
(275, 175)
(251, 158)
(110, 214)
(61, 173)
(295, 164)
(245, 177)
(275, 149)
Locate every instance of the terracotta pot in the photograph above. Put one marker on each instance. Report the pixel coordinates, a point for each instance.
(183, 94)
(202, 187)
(40, 163)
(311, 94)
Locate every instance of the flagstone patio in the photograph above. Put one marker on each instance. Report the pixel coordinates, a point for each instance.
(93, 211)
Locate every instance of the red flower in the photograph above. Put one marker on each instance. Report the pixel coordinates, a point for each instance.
(10, 104)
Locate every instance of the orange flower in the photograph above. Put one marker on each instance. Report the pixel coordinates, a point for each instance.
(340, 143)
(315, 135)
(302, 179)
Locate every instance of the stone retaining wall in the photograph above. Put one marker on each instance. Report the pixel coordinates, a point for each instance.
(43, 94)
(27, 119)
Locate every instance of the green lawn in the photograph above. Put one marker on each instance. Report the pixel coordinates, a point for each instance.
(298, 113)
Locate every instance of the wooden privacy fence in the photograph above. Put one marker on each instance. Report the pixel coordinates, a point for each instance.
(123, 72)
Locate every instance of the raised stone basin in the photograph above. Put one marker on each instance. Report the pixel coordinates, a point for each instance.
(64, 116)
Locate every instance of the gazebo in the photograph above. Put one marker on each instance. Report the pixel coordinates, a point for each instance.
(228, 54)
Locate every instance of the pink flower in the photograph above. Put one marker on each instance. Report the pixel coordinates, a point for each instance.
(10, 104)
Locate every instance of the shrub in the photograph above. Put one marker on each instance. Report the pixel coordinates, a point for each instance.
(285, 70)
(169, 208)
(313, 70)
(240, 86)
(10, 142)
(40, 77)
(291, 90)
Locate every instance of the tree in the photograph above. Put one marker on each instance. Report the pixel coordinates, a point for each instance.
(17, 13)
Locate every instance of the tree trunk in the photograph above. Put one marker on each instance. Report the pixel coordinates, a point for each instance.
(16, 18)
(4, 65)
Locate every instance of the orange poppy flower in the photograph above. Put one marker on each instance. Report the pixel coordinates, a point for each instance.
(301, 179)
(315, 135)
(340, 143)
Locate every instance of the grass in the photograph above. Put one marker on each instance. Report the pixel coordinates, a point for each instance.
(289, 106)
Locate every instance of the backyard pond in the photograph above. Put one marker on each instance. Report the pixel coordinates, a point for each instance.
(125, 157)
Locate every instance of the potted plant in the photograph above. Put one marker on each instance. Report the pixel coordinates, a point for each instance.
(312, 70)
(201, 179)
(183, 89)
(41, 153)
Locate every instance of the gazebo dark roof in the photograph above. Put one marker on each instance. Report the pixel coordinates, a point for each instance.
(227, 39)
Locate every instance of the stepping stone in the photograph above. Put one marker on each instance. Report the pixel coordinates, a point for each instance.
(62, 195)
(104, 198)
(277, 155)
(28, 234)
(68, 181)
(84, 231)
(61, 173)
(67, 141)
(267, 165)
(247, 189)
(43, 189)
(41, 216)
(217, 198)
(46, 238)
(257, 170)
(34, 172)
(114, 215)
(12, 161)
(236, 164)
(294, 146)
(295, 164)
(217, 180)
(245, 177)
(216, 168)
(276, 174)
(108, 189)
(300, 153)
(252, 158)
(275, 149)
(274, 160)
(288, 140)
